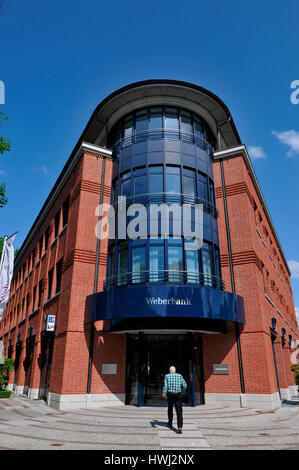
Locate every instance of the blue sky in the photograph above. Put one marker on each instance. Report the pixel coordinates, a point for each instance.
(59, 59)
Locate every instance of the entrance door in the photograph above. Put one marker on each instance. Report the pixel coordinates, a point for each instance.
(30, 343)
(161, 352)
(148, 360)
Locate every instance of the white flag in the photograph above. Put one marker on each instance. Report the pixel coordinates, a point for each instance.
(6, 272)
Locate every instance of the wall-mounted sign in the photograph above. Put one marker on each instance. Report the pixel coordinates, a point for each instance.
(50, 322)
(167, 301)
(220, 369)
(109, 368)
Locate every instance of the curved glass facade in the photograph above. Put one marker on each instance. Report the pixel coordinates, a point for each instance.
(163, 154)
(159, 122)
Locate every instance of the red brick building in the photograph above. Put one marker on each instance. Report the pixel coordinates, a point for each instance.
(127, 309)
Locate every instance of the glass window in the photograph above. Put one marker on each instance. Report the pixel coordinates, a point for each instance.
(123, 263)
(140, 171)
(173, 183)
(128, 126)
(202, 187)
(212, 193)
(198, 127)
(50, 282)
(128, 130)
(189, 183)
(140, 185)
(156, 183)
(192, 266)
(56, 223)
(125, 188)
(47, 236)
(58, 276)
(173, 169)
(125, 184)
(40, 292)
(65, 212)
(139, 265)
(207, 263)
(175, 263)
(111, 262)
(156, 262)
(186, 122)
(141, 124)
(171, 118)
(156, 123)
(217, 268)
(155, 169)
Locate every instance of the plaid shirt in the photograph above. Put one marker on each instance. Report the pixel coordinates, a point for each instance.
(174, 383)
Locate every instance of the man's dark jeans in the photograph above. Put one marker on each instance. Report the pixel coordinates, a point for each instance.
(175, 399)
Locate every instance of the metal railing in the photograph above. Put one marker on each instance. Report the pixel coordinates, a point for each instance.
(163, 133)
(170, 198)
(163, 277)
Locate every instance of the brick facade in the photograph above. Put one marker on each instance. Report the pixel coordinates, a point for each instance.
(58, 365)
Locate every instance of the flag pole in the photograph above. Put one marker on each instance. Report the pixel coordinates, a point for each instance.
(2, 255)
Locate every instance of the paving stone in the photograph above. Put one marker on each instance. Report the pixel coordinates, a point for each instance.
(30, 424)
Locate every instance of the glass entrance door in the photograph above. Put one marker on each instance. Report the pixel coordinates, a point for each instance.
(162, 351)
(148, 360)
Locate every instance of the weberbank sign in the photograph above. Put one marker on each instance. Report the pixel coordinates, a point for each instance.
(145, 301)
(171, 301)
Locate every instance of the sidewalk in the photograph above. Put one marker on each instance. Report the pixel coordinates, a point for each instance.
(30, 424)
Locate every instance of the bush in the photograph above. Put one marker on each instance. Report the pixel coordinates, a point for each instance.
(5, 370)
(5, 393)
(295, 369)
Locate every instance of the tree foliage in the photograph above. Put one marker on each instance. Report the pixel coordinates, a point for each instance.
(1, 247)
(5, 370)
(5, 145)
(295, 370)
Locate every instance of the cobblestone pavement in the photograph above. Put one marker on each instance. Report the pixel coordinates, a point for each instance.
(30, 424)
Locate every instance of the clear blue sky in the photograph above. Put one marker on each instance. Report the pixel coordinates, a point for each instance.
(59, 59)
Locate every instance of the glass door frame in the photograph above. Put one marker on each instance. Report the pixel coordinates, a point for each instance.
(142, 351)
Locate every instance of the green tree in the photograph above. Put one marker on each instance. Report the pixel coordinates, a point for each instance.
(5, 370)
(295, 370)
(5, 145)
(1, 247)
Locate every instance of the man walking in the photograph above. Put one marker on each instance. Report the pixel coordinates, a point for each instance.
(174, 385)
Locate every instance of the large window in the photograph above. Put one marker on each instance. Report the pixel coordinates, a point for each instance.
(192, 266)
(125, 184)
(156, 186)
(171, 119)
(123, 263)
(128, 126)
(156, 260)
(175, 261)
(186, 125)
(157, 122)
(203, 187)
(138, 263)
(207, 263)
(140, 181)
(173, 183)
(163, 260)
(189, 183)
(166, 183)
(141, 124)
